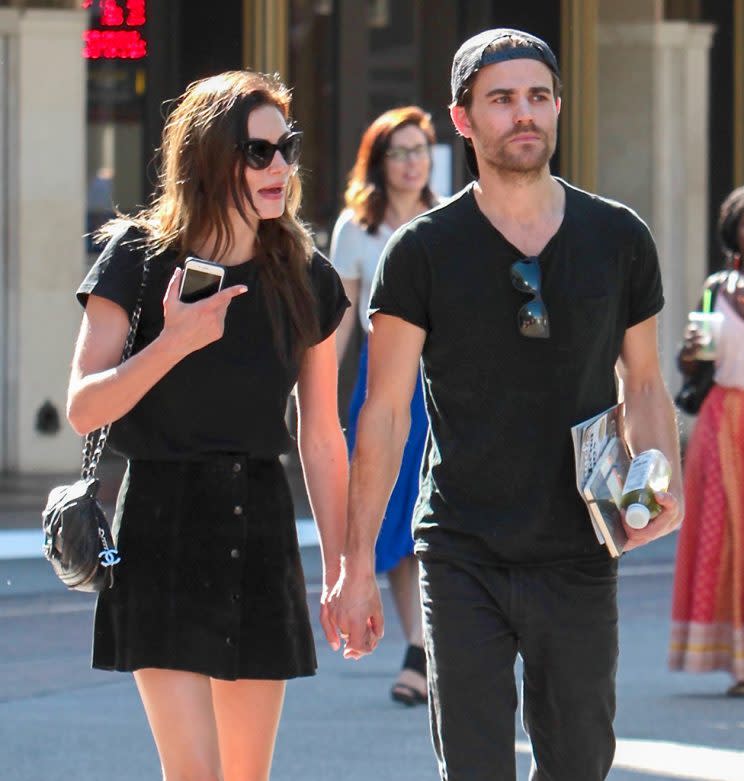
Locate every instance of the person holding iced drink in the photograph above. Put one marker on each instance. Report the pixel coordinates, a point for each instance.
(708, 603)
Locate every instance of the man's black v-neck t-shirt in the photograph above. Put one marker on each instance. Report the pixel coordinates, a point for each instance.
(498, 476)
(228, 397)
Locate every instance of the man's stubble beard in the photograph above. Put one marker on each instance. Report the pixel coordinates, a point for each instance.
(525, 165)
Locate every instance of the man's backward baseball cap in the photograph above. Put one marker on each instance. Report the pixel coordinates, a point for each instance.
(475, 54)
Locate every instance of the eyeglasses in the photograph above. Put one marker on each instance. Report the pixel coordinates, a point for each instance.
(532, 318)
(401, 154)
(258, 152)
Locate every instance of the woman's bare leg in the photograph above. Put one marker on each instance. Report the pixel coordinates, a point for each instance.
(404, 583)
(247, 713)
(179, 708)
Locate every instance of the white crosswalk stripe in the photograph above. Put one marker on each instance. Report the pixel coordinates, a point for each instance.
(674, 760)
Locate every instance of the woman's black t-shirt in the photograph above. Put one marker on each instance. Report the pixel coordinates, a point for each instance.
(228, 397)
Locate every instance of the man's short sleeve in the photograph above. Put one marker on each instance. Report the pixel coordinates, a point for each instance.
(345, 252)
(646, 293)
(117, 274)
(329, 294)
(402, 281)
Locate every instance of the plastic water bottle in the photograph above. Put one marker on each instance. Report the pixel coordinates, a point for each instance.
(649, 473)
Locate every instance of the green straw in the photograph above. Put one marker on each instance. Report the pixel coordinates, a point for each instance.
(706, 300)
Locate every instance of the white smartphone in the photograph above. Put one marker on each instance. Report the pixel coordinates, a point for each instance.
(201, 278)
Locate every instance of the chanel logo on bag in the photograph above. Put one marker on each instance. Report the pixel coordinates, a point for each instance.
(108, 556)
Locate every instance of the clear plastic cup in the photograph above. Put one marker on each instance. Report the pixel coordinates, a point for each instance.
(709, 325)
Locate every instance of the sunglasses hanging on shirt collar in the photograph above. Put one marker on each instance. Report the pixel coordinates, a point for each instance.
(532, 318)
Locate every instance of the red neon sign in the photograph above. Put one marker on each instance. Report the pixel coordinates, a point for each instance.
(116, 44)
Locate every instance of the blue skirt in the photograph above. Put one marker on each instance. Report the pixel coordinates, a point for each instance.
(395, 540)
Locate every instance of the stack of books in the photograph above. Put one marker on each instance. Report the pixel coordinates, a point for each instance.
(602, 462)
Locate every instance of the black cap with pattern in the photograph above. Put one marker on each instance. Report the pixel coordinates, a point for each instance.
(474, 55)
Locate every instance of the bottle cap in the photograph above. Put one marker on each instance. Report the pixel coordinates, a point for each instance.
(637, 516)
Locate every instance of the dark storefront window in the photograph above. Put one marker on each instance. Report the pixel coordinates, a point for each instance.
(721, 125)
(394, 46)
(312, 56)
(344, 75)
(115, 49)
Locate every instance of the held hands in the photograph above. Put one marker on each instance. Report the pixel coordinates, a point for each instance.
(189, 327)
(330, 577)
(667, 521)
(353, 613)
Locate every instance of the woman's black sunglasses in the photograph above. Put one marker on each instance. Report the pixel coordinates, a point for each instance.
(532, 318)
(258, 152)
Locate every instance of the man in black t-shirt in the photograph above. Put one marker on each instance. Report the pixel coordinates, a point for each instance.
(521, 296)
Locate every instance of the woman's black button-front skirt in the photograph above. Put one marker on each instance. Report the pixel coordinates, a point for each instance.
(210, 578)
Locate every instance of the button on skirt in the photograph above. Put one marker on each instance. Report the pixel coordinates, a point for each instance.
(210, 578)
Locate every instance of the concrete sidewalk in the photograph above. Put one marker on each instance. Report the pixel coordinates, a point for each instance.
(341, 721)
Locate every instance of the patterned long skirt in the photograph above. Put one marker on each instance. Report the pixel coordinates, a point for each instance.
(708, 606)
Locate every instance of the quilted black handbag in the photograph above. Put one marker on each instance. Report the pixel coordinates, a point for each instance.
(77, 538)
(695, 387)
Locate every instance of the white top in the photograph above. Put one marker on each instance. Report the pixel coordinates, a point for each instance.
(355, 254)
(729, 370)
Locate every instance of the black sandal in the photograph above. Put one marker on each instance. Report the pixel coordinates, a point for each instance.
(414, 660)
(737, 690)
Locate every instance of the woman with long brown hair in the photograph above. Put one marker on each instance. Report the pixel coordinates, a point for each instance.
(388, 186)
(208, 604)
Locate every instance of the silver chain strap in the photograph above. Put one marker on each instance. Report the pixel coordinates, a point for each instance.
(95, 441)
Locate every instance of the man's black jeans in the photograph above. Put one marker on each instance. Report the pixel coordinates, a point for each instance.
(562, 620)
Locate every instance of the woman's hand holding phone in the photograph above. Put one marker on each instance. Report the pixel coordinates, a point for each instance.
(189, 327)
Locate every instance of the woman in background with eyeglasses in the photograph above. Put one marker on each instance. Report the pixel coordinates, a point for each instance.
(388, 186)
(208, 608)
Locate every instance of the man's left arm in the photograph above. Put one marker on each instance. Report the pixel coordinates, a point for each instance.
(651, 422)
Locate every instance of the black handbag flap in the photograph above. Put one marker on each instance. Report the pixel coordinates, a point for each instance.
(69, 494)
